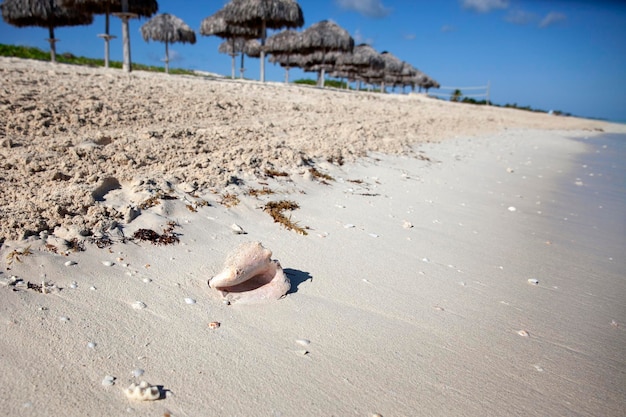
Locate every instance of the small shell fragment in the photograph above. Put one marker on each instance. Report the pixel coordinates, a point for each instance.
(511, 209)
(138, 372)
(138, 305)
(70, 263)
(523, 333)
(238, 230)
(190, 300)
(214, 325)
(108, 263)
(143, 392)
(108, 380)
(303, 342)
(533, 281)
(91, 345)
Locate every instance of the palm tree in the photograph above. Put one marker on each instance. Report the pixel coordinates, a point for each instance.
(456, 95)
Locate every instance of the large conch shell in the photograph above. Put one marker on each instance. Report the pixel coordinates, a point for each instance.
(251, 276)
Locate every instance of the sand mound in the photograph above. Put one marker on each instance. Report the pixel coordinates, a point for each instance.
(72, 135)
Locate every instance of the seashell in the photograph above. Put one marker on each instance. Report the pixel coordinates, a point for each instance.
(91, 345)
(70, 263)
(64, 319)
(138, 372)
(407, 225)
(74, 285)
(303, 342)
(251, 276)
(523, 333)
(533, 281)
(190, 300)
(348, 226)
(214, 325)
(138, 305)
(107, 263)
(143, 392)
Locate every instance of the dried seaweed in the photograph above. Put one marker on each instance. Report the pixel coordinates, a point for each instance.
(255, 192)
(276, 209)
(320, 176)
(155, 200)
(272, 173)
(15, 254)
(229, 200)
(168, 237)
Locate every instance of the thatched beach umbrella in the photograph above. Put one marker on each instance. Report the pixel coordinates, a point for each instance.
(362, 58)
(43, 13)
(285, 43)
(264, 14)
(215, 25)
(169, 29)
(392, 71)
(326, 36)
(143, 8)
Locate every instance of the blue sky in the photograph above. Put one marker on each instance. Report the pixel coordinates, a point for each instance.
(561, 55)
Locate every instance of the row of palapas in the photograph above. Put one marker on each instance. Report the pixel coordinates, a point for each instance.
(324, 47)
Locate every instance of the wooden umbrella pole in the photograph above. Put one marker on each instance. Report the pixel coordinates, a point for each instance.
(167, 59)
(53, 48)
(263, 34)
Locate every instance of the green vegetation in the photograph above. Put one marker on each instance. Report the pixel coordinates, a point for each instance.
(68, 58)
(327, 83)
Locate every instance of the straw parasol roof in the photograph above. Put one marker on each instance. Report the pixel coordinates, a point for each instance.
(142, 8)
(169, 29)
(354, 65)
(264, 14)
(326, 36)
(287, 41)
(43, 13)
(215, 25)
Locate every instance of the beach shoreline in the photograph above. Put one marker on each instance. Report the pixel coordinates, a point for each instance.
(436, 277)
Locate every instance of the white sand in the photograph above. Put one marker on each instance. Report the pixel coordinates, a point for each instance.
(402, 321)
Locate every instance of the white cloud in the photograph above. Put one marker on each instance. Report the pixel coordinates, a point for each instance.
(520, 17)
(410, 36)
(369, 8)
(448, 28)
(552, 18)
(484, 6)
(359, 38)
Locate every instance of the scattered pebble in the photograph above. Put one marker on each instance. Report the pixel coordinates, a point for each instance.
(74, 285)
(64, 319)
(108, 263)
(138, 305)
(538, 368)
(425, 260)
(512, 209)
(146, 280)
(407, 225)
(348, 226)
(108, 381)
(190, 301)
(523, 333)
(373, 235)
(614, 323)
(91, 345)
(214, 325)
(92, 288)
(226, 302)
(303, 342)
(533, 281)
(138, 372)
(70, 263)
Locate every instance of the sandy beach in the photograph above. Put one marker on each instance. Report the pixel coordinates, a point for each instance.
(452, 260)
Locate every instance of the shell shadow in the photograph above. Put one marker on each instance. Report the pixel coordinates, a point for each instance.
(296, 277)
